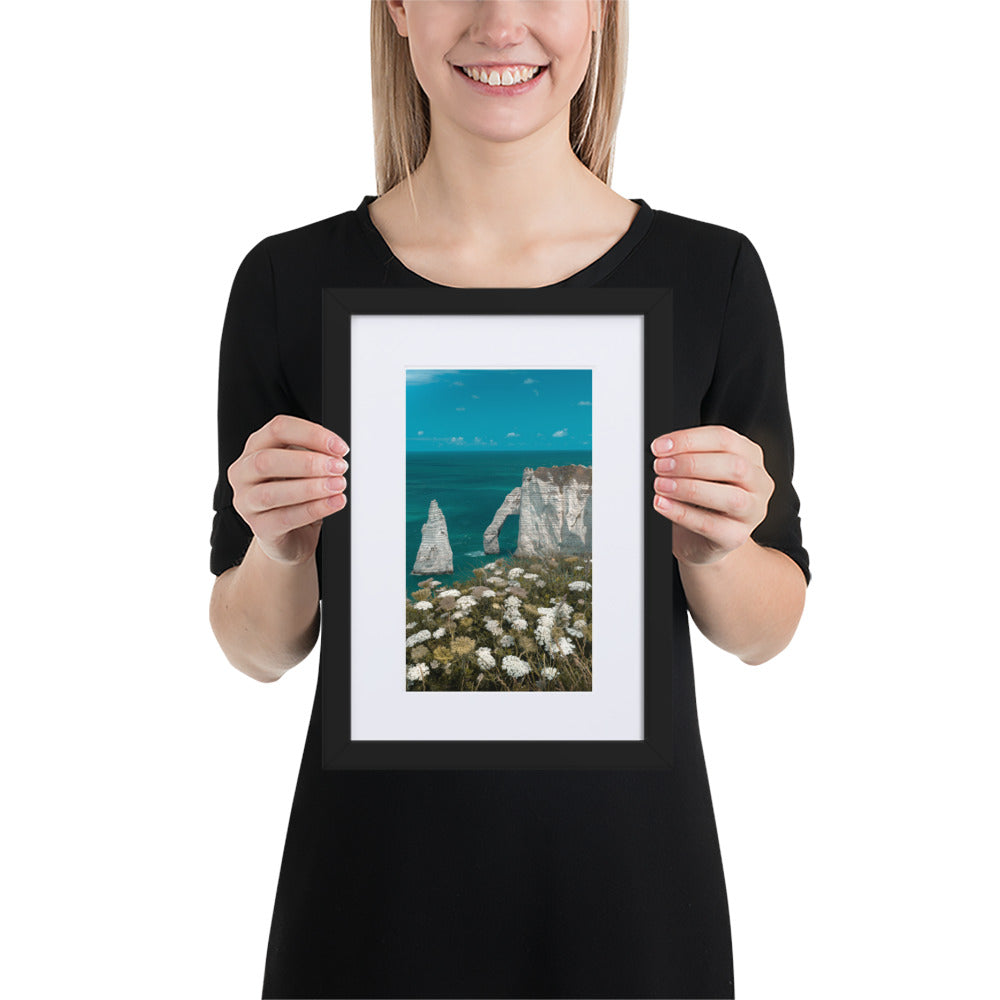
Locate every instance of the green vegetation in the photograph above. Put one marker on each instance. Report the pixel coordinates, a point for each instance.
(516, 625)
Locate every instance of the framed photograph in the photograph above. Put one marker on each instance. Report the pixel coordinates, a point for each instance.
(501, 471)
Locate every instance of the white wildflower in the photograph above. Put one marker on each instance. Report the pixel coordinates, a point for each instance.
(495, 579)
(450, 593)
(531, 576)
(515, 666)
(575, 632)
(563, 612)
(519, 623)
(516, 571)
(506, 640)
(422, 636)
(410, 625)
(565, 646)
(438, 632)
(485, 657)
(465, 602)
(544, 636)
(493, 626)
(549, 673)
(580, 585)
(417, 672)
(423, 606)
(512, 605)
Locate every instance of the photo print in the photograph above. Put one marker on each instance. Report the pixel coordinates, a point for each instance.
(499, 530)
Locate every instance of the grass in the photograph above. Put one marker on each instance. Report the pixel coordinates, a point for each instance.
(534, 618)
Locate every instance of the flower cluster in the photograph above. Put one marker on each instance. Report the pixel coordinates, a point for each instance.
(417, 672)
(422, 636)
(548, 619)
(531, 631)
(515, 666)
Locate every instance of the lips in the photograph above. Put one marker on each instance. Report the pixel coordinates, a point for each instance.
(496, 90)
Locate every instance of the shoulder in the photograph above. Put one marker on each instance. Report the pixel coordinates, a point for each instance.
(329, 251)
(717, 259)
(309, 240)
(709, 242)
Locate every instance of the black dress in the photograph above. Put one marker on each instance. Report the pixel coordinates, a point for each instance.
(501, 883)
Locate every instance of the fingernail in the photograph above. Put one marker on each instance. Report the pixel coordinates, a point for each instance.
(668, 444)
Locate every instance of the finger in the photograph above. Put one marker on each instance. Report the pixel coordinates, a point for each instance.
(293, 463)
(708, 437)
(285, 429)
(723, 531)
(720, 466)
(732, 501)
(280, 520)
(277, 493)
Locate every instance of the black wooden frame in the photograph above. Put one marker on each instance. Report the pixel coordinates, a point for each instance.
(655, 749)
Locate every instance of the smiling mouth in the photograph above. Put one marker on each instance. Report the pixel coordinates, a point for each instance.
(502, 76)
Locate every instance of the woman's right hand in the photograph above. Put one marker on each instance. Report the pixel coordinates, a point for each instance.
(289, 477)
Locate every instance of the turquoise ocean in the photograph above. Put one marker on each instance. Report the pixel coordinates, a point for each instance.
(469, 487)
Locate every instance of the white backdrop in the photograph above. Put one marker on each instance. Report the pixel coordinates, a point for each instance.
(147, 783)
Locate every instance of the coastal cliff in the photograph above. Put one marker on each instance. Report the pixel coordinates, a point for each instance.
(434, 554)
(555, 509)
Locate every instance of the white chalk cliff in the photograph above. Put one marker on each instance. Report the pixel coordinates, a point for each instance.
(434, 554)
(555, 508)
(511, 505)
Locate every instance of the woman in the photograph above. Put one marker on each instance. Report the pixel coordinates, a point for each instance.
(502, 882)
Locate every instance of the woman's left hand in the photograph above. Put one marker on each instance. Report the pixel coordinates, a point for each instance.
(712, 484)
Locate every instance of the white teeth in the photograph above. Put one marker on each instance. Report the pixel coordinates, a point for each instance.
(495, 79)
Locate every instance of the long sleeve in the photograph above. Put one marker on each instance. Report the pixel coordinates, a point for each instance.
(252, 389)
(748, 393)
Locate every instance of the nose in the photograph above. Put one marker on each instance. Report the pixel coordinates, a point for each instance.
(498, 24)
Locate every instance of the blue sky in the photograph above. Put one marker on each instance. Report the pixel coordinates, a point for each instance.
(484, 409)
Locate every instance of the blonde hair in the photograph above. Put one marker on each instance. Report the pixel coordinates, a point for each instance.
(401, 111)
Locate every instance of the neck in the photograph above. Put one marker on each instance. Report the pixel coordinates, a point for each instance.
(501, 189)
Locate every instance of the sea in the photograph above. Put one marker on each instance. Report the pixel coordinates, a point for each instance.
(469, 487)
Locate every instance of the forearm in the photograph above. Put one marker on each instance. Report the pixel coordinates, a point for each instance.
(265, 614)
(748, 603)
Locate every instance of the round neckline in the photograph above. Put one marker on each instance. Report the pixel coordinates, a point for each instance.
(594, 272)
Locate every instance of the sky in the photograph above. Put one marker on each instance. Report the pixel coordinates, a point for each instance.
(509, 409)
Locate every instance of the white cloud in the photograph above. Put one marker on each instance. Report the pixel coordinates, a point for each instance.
(562, 433)
(419, 433)
(422, 376)
(513, 434)
(459, 407)
(528, 381)
(584, 402)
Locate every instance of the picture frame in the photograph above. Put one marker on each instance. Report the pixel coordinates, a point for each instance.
(393, 358)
